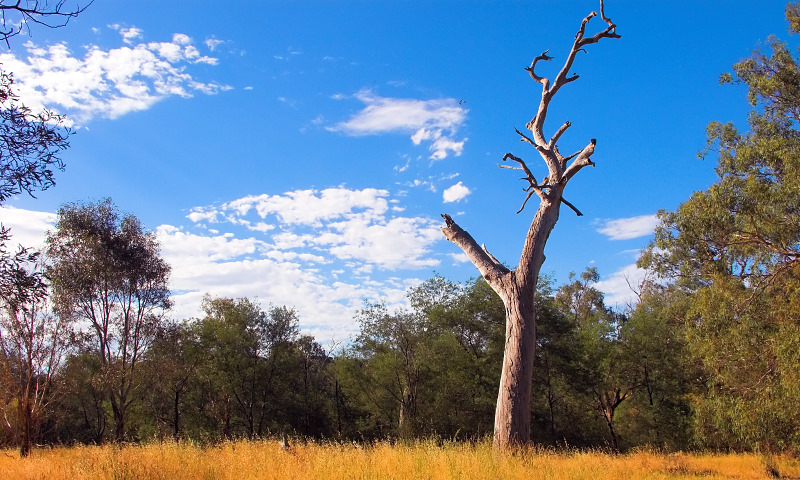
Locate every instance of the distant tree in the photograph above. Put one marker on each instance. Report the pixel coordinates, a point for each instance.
(657, 354)
(82, 414)
(394, 345)
(517, 287)
(107, 271)
(604, 376)
(172, 362)
(428, 369)
(735, 248)
(560, 399)
(250, 375)
(32, 343)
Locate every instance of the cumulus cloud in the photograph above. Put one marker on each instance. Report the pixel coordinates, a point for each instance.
(459, 257)
(347, 233)
(108, 83)
(628, 228)
(306, 207)
(221, 265)
(455, 193)
(339, 223)
(434, 121)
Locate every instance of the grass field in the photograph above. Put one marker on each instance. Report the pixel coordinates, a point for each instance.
(426, 460)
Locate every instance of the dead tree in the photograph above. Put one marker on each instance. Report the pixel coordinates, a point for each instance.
(516, 287)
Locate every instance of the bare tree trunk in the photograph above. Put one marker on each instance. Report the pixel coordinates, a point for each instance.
(517, 288)
(408, 407)
(512, 420)
(176, 430)
(26, 435)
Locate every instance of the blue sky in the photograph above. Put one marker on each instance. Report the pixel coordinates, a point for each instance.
(302, 152)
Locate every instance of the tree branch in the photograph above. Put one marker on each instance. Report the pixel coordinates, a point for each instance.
(583, 159)
(558, 134)
(565, 202)
(33, 11)
(489, 267)
(483, 246)
(544, 81)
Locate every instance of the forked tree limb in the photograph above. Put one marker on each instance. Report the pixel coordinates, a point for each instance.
(583, 159)
(537, 123)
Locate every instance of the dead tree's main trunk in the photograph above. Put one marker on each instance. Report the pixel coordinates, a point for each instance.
(517, 287)
(512, 420)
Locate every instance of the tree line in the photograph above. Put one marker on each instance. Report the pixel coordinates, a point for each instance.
(94, 357)
(707, 358)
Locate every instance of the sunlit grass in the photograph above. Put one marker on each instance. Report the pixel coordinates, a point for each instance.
(329, 461)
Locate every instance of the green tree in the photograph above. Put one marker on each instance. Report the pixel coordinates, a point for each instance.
(172, 361)
(84, 409)
(107, 271)
(250, 375)
(655, 346)
(603, 376)
(32, 343)
(393, 346)
(736, 248)
(431, 369)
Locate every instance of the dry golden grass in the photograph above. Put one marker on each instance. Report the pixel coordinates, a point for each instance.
(426, 460)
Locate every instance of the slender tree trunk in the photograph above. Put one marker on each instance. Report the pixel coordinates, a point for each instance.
(26, 435)
(407, 413)
(177, 416)
(609, 417)
(119, 426)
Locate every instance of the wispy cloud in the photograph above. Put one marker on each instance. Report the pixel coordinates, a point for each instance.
(618, 287)
(432, 121)
(628, 228)
(456, 193)
(108, 83)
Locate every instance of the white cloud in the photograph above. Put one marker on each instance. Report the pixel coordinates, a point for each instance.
(107, 83)
(28, 227)
(306, 207)
(628, 228)
(130, 34)
(435, 121)
(398, 243)
(617, 287)
(212, 43)
(340, 223)
(460, 257)
(455, 193)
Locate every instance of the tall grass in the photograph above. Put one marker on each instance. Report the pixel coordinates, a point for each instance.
(329, 461)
